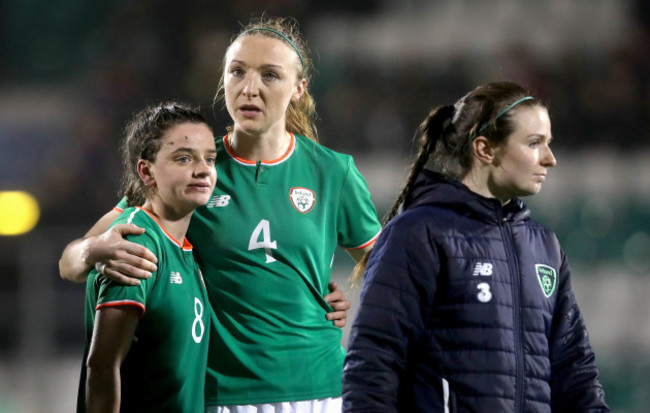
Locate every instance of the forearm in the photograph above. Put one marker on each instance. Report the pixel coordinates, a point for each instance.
(103, 390)
(574, 375)
(77, 260)
(74, 265)
(112, 336)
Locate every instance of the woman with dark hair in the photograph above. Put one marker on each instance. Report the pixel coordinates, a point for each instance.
(467, 304)
(155, 333)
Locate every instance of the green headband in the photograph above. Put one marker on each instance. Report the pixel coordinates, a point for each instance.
(510, 106)
(286, 39)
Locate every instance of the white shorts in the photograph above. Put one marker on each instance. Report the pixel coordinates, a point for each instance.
(328, 405)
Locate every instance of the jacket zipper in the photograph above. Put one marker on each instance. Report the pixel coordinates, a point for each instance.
(516, 295)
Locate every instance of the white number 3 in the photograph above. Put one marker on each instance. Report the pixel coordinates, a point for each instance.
(266, 243)
(485, 295)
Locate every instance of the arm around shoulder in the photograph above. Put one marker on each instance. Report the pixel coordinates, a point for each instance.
(121, 260)
(75, 261)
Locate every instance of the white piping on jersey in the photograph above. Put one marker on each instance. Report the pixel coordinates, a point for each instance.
(130, 220)
(241, 161)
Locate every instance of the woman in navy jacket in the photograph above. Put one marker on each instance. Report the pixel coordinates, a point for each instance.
(467, 304)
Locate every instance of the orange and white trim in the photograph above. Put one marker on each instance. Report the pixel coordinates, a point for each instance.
(365, 244)
(185, 245)
(122, 303)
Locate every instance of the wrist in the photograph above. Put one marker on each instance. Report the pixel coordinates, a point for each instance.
(87, 257)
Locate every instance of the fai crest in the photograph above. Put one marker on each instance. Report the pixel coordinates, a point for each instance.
(302, 199)
(547, 278)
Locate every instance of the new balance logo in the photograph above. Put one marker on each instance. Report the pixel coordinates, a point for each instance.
(483, 268)
(219, 201)
(175, 278)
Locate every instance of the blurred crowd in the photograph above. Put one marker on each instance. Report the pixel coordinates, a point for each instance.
(91, 67)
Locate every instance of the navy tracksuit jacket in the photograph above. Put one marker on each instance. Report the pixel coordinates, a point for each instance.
(467, 306)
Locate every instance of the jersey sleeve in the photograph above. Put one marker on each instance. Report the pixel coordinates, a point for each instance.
(112, 294)
(121, 206)
(357, 224)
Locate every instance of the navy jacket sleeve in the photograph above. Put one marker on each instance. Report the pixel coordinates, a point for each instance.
(574, 375)
(396, 300)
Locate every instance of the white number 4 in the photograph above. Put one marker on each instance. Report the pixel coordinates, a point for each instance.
(266, 243)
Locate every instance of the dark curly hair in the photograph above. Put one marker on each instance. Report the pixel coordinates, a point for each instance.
(142, 140)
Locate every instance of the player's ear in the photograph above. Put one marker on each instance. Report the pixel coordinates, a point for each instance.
(300, 90)
(483, 150)
(146, 172)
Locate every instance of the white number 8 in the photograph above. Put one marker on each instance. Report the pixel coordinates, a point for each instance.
(198, 312)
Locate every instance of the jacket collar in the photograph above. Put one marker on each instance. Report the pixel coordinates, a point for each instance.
(432, 188)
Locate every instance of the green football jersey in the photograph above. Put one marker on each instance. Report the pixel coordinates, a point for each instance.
(164, 369)
(266, 242)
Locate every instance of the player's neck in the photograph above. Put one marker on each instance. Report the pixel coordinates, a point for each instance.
(174, 222)
(264, 147)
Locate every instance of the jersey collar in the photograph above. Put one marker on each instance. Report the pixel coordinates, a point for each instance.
(185, 245)
(287, 154)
